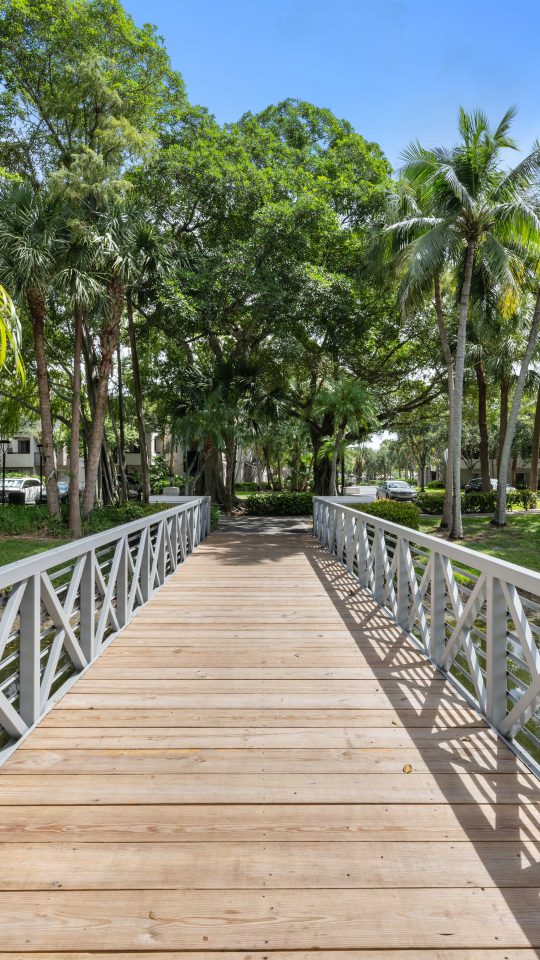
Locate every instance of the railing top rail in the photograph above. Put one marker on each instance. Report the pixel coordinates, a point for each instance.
(518, 576)
(19, 570)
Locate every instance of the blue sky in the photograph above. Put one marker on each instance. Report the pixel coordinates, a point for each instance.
(397, 69)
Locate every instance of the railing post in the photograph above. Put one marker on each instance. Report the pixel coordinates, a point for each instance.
(144, 575)
(122, 586)
(402, 584)
(496, 651)
(349, 543)
(208, 516)
(29, 651)
(378, 543)
(363, 555)
(87, 607)
(162, 556)
(437, 610)
(190, 539)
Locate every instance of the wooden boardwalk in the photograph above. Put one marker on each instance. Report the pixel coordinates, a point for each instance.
(261, 767)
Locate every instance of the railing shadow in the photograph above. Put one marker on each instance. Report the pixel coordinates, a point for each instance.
(492, 794)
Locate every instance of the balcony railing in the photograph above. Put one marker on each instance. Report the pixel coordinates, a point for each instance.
(59, 609)
(477, 618)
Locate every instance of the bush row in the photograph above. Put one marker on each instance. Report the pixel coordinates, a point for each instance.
(435, 485)
(477, 502)
(280, 505)
(407, 514)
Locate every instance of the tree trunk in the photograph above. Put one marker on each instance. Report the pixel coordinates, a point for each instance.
(535, 452)
(139, 406)
(321, 465)
(499, 518)
(446, 519)
(483, 425)
(229, 476)
(109, 340)
(455, 454)
(209, 483)
(121, 430)
(503, 418)
(36, 307)
(75, 524)
(333, 473)
(269, 473)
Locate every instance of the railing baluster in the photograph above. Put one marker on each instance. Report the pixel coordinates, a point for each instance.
(496, 651)
(87, 607)
(29, 651)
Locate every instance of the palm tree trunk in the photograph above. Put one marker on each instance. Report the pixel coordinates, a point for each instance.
(455, 454)
(446, 519)
(499, 518)
(36, 307)
(75, 525)
(229, 467)
(109, 340)
(333, 473)
(535, 452)
(483, 425)
(121, 429)
(139, 406)
(503, 418)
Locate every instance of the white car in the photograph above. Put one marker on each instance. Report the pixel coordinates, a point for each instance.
(20, 490)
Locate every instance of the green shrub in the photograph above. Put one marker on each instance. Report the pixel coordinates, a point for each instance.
(103, 518)
(522, 499)
(406, 514)
(250, 486)
(479, 502)
(435, 485)
(430, 502)
(280, 505)
(20, 520)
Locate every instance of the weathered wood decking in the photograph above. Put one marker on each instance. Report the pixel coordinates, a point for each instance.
(262, 766)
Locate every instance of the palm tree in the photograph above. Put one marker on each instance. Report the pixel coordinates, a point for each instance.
(478, 216)
(28, 251)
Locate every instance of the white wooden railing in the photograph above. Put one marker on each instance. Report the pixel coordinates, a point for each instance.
(60, 608)
(477, 618)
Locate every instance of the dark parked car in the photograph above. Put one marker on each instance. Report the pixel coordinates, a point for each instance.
(63, 491)
(475, 485)
(396, 490)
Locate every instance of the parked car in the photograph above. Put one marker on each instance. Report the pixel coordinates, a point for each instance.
(63, 491)
(20, 490)
(396, 490)
(475, 485)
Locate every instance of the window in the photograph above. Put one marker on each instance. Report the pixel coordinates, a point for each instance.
(23, 446)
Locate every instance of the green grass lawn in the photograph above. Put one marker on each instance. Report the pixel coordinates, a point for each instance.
(517, 542)
(17, 548)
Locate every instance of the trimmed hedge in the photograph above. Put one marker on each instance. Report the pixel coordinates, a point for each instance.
(280, 505)
(406, 514)
(435, 485)
(250, 486)
(478, 502)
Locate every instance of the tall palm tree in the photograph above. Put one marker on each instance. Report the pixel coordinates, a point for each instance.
(478, 215)
(28, 251)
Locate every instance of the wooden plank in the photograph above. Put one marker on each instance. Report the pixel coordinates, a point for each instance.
(309, 700)
(182, 759)
(336, 688)
(266, 865)
(503, 954)
(267, 920)
(161, 717)
(463, 823)
(471, 740)
(269, 788)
